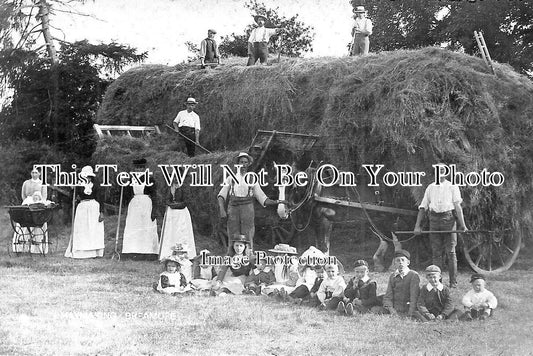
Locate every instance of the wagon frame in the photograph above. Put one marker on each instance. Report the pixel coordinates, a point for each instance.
(486, 251)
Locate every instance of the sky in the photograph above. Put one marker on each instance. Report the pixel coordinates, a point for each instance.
(162, 27)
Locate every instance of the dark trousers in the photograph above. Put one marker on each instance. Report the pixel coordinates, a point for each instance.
(455, 314)
(257, 50)
(190, 133)
(443, 243)
(333, 302)
(300, 292)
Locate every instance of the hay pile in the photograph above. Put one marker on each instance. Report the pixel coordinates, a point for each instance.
(404, 109)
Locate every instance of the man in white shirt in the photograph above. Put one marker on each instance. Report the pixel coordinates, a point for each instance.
(258, 41)
(188, 124)
(240, 206)
(362, 28)
(440, 201)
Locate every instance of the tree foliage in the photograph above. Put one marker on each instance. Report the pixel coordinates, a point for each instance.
(507, 27)
(295, 39)
(53, 101)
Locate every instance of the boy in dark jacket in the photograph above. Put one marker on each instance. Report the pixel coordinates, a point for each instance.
(434, 301)
(360, 293)
(402, 290)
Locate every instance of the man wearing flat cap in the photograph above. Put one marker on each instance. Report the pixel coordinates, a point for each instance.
(258, 41)
(239, 198)
(361, 30)
(209, 49)
(188, 124)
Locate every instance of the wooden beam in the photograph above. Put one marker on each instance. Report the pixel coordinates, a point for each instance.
(384, 209)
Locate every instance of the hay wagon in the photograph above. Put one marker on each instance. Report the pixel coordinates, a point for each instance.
(313, 205)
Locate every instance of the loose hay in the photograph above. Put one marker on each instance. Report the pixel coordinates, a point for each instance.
(403, 109)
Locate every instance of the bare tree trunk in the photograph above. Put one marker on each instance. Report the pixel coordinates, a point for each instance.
(44, 11)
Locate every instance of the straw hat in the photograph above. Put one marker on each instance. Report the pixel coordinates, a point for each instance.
(179, 249)
(87, 171)
(172, 258)
(359, 10)
(311, 252)
(257, 17)
(284, 248)
(244, 154)
(191, 101)
(360, 263)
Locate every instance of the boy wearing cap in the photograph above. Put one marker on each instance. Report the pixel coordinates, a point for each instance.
(360, 293)
(402, 289)
(259, 277)
(209, 49)
(435, 301)
(258, 41)
(478, 302)
(362, 28)
(187, 122)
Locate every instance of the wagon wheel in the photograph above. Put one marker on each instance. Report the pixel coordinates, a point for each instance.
(19, 243)
(491, 252)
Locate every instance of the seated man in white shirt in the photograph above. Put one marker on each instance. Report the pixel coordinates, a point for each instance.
(440, 201)
(258, 41)
(188, 124)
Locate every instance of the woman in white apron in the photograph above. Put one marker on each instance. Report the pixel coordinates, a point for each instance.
(177, 225)
(87, 237)
(140, 232)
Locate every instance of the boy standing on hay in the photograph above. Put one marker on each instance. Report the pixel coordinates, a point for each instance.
(443, 203)
(188, 124)
(362, 29)
(258, 41)
(209, 49)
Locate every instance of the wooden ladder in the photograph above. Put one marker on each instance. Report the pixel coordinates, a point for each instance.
(478, 35)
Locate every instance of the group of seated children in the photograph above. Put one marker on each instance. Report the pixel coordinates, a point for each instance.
(308, 284)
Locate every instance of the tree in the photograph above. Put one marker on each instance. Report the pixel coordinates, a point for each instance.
(295, 39)
(507, 27)
(55, 93)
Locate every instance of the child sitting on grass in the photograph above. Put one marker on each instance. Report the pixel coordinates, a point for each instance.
(171, 280)
(434, 301)
(331, 289)
(259, 277)
(360, 294)
(402, 289)
(203, 275)
(478, 302)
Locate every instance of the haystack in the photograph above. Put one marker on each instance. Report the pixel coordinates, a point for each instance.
(403, 109)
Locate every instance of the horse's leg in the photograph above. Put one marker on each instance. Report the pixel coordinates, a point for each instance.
(323, 225)
(378, 258)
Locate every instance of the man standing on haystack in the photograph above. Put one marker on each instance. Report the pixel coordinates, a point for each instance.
(209, 49)
(188, 124)
(442, 201)
(362, 29)
(258, 41)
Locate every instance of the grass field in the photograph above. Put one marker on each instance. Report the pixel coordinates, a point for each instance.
(59, 306)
